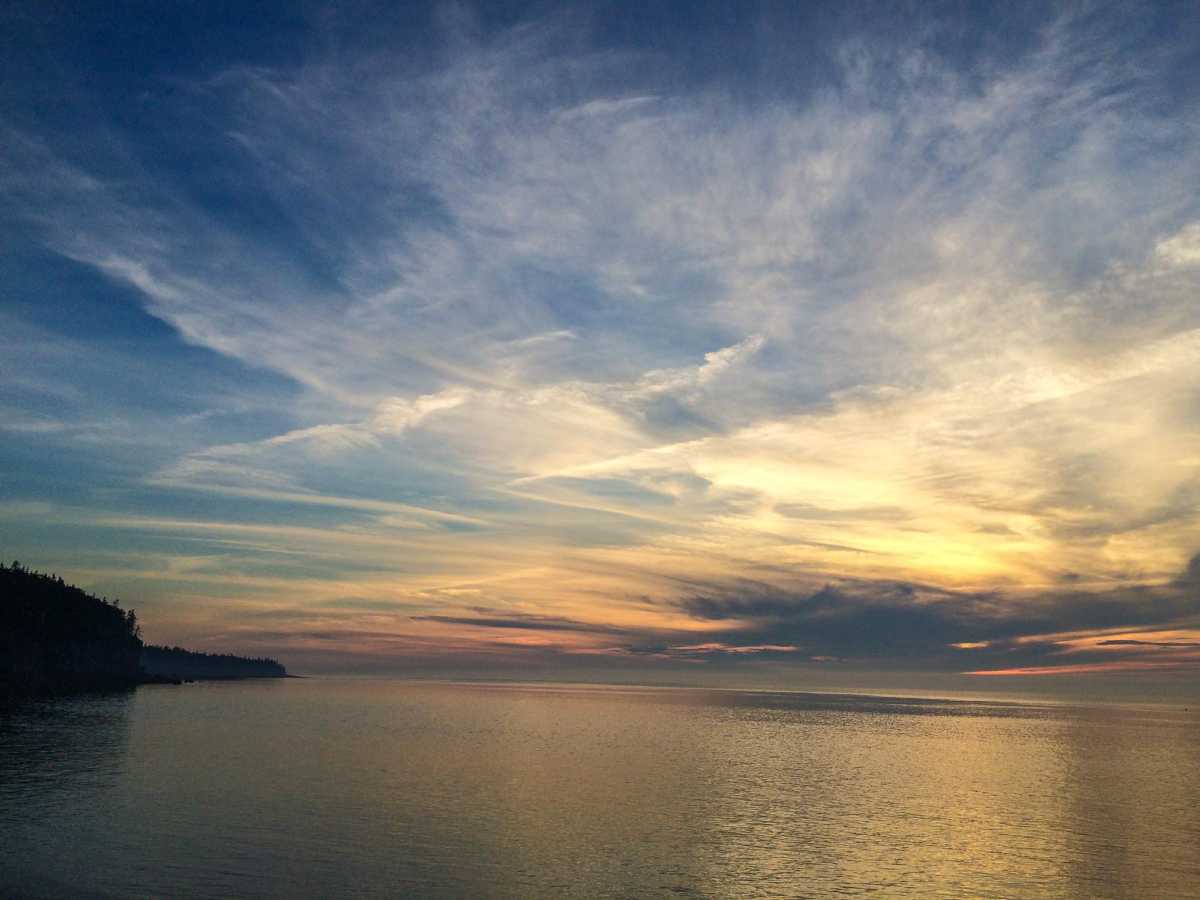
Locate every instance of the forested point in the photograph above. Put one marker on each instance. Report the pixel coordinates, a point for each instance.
(57, 639)
(175, 662)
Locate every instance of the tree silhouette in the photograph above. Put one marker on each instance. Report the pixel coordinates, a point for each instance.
(55, 637)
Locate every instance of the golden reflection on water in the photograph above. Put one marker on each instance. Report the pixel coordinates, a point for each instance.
(326, 788)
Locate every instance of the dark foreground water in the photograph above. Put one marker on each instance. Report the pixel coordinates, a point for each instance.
(331, 789)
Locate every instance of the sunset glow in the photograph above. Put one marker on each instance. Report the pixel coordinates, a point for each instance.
(532, 342)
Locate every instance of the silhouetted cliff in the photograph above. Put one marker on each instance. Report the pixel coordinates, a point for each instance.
(175, 662)
(55, 638)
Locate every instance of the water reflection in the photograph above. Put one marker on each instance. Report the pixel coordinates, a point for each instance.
(65, 748)
(327, 788)
(1134, 830)
(60, 763)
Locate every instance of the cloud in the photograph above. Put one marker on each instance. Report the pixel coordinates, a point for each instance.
(715, 364)
(919, 326)
(1182, 248)
(524, 623)
(893, 622)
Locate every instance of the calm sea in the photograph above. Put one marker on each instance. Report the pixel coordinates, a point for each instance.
(310, 788)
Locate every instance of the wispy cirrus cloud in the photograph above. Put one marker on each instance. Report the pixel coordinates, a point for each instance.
(591, 332)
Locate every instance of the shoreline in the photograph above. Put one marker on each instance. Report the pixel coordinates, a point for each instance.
(11, 695)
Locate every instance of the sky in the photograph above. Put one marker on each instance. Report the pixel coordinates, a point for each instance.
(816, 342)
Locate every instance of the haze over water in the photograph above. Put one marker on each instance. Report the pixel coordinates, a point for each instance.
(322, 788)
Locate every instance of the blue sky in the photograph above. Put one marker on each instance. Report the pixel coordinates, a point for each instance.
(700, 337)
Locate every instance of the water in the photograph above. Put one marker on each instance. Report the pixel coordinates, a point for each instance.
(348, 788)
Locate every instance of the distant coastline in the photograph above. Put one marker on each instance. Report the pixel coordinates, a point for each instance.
(175, 662)
(56, 639)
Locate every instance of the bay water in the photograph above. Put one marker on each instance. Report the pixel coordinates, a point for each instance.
(339, 788)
